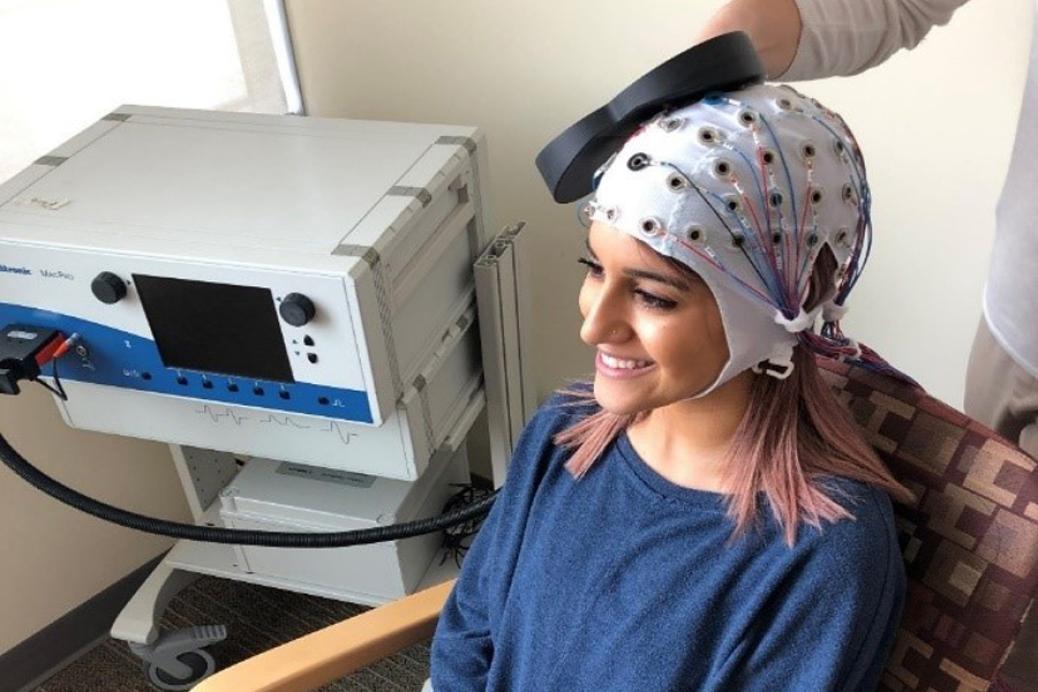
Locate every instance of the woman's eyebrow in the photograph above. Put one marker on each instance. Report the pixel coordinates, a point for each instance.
(644, 274)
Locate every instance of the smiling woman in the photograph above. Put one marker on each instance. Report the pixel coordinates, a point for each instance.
(714, 246)
(704, 514)
(659, 336)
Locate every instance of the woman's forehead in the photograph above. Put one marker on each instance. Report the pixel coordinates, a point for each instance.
(605, 241)
(605, 238)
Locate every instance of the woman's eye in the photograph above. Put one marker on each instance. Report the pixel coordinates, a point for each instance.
(650, 300)
(654, 301)
(593, 268)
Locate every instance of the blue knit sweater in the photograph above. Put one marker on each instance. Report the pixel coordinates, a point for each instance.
(622, 581)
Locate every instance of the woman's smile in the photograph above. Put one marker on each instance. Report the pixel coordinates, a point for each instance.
(622, 368)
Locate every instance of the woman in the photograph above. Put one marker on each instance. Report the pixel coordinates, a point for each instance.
(705, 515)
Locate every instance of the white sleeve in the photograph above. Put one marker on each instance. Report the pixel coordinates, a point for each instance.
(845, 37)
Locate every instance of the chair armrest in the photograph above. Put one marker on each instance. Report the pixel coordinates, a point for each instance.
(337, 650)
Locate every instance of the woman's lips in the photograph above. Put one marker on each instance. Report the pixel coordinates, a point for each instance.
(620, 373)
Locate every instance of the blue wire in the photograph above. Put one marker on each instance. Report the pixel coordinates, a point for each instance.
(789, 177)
(864, 206)
(768, 276)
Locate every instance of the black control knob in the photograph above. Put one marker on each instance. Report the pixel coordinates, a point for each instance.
(108, 288)
(297, 309)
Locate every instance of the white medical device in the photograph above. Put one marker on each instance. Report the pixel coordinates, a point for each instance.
(291, 304)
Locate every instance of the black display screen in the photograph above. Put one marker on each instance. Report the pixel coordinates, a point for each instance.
(218, 328)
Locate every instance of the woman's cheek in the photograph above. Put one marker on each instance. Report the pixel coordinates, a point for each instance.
(718, 338)
(673, 338)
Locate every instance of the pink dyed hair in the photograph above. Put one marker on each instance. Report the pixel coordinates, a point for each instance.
(793, 434)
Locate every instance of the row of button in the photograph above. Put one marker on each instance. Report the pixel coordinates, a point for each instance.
(232, 387)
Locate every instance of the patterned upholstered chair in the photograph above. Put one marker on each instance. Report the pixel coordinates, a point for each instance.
(970, 546)
(971, 542)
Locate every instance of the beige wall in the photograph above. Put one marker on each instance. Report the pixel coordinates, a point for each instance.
(936, 127)
(55, 557)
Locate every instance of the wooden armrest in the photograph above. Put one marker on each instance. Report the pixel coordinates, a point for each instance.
(337, 650)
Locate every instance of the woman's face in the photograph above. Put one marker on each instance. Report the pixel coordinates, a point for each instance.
(658, 331)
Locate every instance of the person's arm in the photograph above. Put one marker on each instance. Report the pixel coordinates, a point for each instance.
(808, 39)
(772, 25)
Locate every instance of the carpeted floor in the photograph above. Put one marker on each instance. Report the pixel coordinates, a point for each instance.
(257, 619)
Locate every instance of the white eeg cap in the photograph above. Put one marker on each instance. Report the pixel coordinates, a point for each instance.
(745, 188)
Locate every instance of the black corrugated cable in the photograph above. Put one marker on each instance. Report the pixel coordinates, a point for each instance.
(210, 534)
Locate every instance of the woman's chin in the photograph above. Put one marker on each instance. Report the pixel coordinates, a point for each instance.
(613, 398)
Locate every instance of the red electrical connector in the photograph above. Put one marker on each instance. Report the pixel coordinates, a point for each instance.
(62, 349)
(24, 349)
(50, 350)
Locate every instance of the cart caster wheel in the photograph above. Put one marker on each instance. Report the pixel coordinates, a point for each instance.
(200, 661)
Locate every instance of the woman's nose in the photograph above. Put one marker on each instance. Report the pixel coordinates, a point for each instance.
(604, 321)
